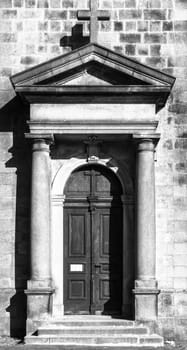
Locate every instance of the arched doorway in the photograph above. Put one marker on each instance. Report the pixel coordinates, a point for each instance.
(93, 246)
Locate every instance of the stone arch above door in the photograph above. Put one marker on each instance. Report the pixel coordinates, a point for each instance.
(63, 173)
(108, 183)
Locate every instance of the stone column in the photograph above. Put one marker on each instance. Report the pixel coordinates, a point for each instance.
(39, 289)
(145, 284)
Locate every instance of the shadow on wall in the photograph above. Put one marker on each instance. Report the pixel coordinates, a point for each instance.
(76, 40)
(13, 117)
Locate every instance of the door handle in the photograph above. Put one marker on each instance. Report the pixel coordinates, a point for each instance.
(97, 265)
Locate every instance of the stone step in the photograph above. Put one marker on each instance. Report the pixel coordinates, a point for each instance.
(151, 340)
(78, 347)
(91, 321)
(144, 340)
(91, 330)
(90, 317)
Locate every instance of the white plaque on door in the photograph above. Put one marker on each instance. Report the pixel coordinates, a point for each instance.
(76, 267)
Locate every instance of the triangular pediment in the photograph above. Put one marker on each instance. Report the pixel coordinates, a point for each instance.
(95, 72)
(105, 66)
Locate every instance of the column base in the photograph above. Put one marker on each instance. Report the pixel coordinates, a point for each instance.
(39, 305)
(146, 300)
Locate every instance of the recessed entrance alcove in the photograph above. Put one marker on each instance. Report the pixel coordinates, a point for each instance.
(93, 215)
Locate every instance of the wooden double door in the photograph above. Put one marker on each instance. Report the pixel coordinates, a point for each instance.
(93, 242)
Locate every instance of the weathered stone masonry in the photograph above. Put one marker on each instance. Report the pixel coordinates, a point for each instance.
(155, 33)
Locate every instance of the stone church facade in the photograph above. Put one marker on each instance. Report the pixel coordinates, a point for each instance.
(93, 162)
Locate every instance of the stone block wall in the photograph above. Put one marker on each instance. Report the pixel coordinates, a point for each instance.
(152, 31)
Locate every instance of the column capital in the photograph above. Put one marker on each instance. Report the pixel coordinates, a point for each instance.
(146, 142)
(47, 138)
(40, 142)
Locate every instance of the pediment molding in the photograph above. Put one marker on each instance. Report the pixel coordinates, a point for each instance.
(93, 72)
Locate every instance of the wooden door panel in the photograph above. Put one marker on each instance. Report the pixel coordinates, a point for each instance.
(78, 184)
(102, 184)
(77, 231)
(77, 289)
(104, 247)
(108, 260)
(104, 289)
(77, 260)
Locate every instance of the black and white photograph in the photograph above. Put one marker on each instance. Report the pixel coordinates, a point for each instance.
(93, 174)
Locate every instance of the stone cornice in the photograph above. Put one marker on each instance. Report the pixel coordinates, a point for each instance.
(95, 94)
(43, 129)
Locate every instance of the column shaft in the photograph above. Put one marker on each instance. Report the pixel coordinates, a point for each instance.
(145, 211)
(40, 213)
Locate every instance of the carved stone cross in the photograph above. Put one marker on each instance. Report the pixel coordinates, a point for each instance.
(94, 15)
